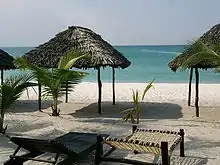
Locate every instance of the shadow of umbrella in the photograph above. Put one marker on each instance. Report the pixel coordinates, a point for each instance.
(101, 53)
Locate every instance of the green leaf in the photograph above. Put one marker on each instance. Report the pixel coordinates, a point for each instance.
(137, 97)
(133, 95)
(128, 116)
(150, 85)
(127, 110)
(199, 52)
(12, 89)
(70, 58)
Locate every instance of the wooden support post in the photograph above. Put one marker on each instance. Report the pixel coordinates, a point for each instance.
(134, 128)
(39, 96)
(181, 133)
(197, 92)
(113, 85)
(100, 92)
(99, 150)
(190, 85)
(2, 75)
(66, 101)
(165, 155)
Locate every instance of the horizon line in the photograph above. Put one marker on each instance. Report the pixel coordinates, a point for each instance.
(1, 46)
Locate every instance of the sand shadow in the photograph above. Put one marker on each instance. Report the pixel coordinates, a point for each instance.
(200, 143)
(21, 106)
(149, 110)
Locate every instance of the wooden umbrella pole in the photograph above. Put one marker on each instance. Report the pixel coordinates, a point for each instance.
(190, 84)
(39, 96)
(2, 74)
(113, 85)
(100, 92)
(197, 92)
(66, 101)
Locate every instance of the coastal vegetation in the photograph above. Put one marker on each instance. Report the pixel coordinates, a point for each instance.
(54, 80)
(204, 53)
(133, 113)
(10, 91)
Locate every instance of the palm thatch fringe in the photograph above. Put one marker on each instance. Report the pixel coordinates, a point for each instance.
(101, 53)
(211, 38)
(6, 63)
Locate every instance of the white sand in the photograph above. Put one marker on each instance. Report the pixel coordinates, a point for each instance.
(164, 107)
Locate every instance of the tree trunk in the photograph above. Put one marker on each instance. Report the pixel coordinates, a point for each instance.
(39, 96)
(197, 92)
(113, 85)
(100, 92)
(190, 84)
(66, 101)
(2, 129)
(138, 113)
(1, 124)
(2, 75)
(55, 111)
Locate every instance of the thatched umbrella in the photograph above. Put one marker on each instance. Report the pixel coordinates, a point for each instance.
(6, 63)
(101, 53)
(209, 38)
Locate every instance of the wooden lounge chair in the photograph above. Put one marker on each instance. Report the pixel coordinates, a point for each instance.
(75, 145)
(157, 142)
(35, 147)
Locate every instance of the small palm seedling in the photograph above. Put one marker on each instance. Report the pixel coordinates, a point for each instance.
(133, 113)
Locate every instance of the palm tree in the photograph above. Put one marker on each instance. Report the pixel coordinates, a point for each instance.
(10, 91)
(53, 79)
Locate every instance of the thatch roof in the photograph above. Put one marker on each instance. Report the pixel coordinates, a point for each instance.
(211, 37)
(102, 53)
(6, 61)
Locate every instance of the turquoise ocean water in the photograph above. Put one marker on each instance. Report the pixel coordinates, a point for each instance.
(147, 63)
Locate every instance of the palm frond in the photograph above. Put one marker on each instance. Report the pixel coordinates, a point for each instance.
(217, 70)
(150, 85)
(12, 89)
(70, 58)
(200, 52)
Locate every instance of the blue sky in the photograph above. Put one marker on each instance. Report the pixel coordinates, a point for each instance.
(120, 22)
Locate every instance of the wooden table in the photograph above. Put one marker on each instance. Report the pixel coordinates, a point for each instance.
(78, 144)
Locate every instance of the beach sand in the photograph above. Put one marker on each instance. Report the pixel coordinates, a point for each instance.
(164, 107)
